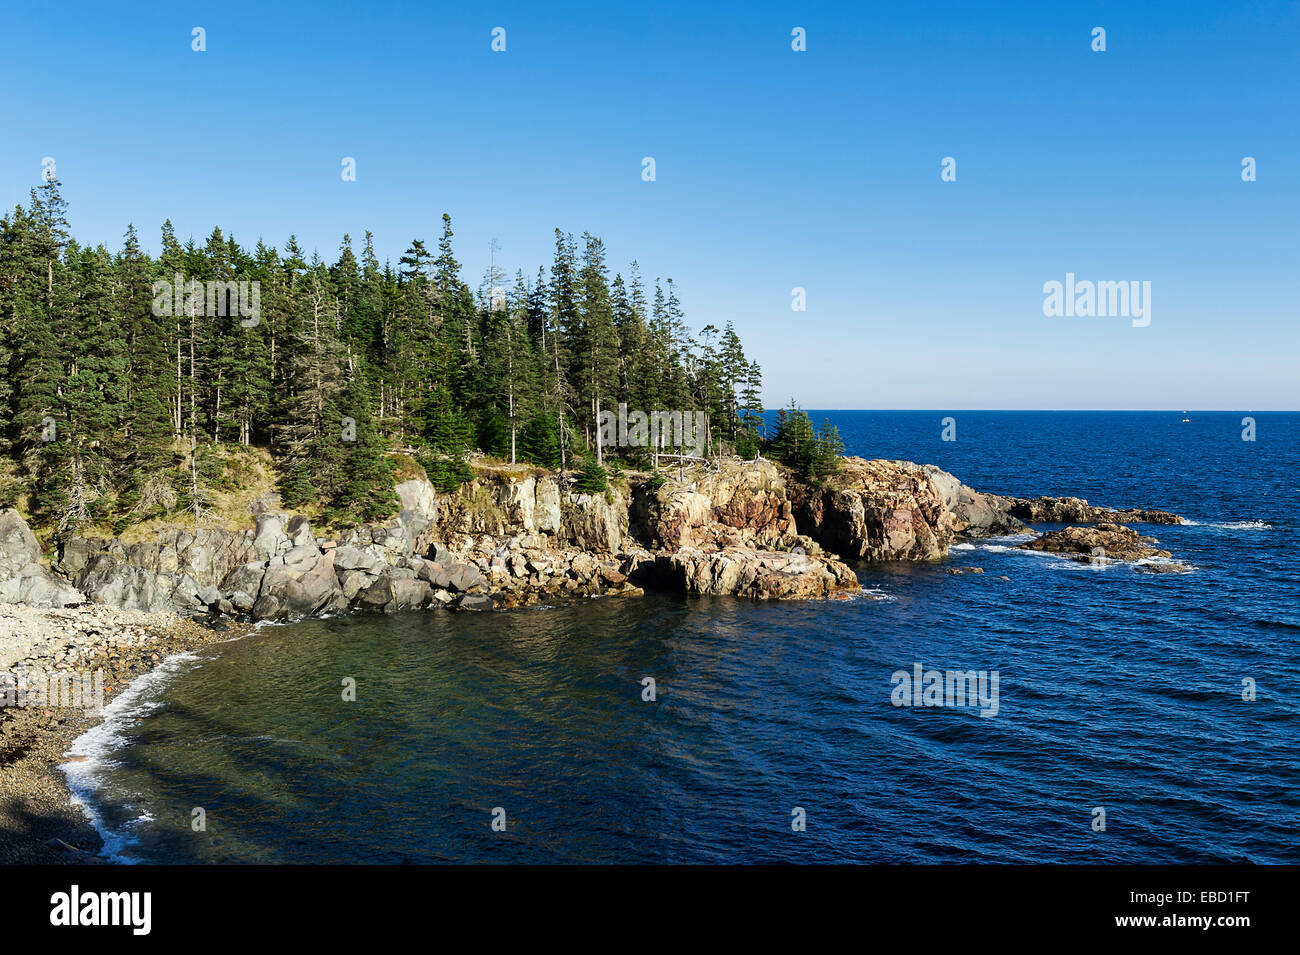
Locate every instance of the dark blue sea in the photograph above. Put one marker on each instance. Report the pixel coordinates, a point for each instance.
(1119, 691)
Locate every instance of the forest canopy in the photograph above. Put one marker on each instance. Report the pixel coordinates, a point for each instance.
(117, 391)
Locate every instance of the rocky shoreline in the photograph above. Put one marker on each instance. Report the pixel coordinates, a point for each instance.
(512, 537)
(39, 823)
(517, 536)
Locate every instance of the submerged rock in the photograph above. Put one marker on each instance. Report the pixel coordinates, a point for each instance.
(1163, 567)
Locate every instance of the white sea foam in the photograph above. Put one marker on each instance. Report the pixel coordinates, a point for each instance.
(93, 750)
(1232, 525)
(1182, 567)
(1066, 563)
(1005, 542)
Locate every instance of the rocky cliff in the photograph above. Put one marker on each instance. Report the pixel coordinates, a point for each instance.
(515, 536)
(897, 510)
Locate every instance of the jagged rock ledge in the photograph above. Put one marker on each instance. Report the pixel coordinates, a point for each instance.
(1100, 544)
(1076, 510)
(516, 536)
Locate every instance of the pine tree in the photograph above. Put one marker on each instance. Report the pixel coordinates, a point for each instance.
(311, 449)
(444, 456)
(595, 341)
(114, 402)
(366, 490)
(829, 448)
(795, 441)
(509, 363)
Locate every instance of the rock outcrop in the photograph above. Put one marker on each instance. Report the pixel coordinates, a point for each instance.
(511, 502)
(743, 503)
(1076, 510)
(24, 578)
(762, 575)
(1105, 542)
(877, 510)
(973, 513)
(515, 536)
(111, 581)
(300, 583)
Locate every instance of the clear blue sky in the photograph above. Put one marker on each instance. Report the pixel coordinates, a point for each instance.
(775, 169)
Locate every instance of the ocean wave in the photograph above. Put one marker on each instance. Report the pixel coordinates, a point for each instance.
(1004, 543)
(1273, 623)
(1175, 566)
(1013, 549)
(92, 751)
(1232, 525)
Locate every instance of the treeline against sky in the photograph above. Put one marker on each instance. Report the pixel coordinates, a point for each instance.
(115, 403)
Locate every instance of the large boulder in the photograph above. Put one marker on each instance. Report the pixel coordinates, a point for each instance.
(464, 578)
(474, 602)
(392, 594)
(299, 584)
(762, 575)
(299, 531)
(23, 578)
(35, 586)
(434, 572)
(269, 538)
(243, 584)
(348, 557)
(973, 513)
(108, 580)
(18, 545)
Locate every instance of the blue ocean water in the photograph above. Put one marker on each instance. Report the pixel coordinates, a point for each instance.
(1118, 690)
